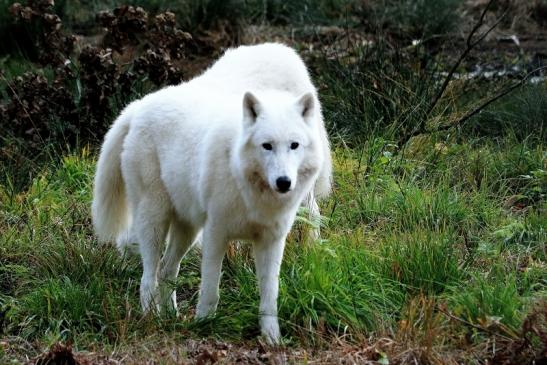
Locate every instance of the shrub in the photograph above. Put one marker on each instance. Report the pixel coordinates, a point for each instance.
(74, 98)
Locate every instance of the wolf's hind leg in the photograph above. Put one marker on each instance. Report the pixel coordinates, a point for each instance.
(151, 223)
(212, 253)
(126, 242)
(314, 233)
(181, 236)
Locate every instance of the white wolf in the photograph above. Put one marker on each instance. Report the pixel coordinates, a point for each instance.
(231, 153)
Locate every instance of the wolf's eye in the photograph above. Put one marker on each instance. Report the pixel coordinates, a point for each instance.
(267, 146)
(294, 145)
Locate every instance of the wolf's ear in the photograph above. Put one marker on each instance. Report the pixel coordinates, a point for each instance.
(306, 104)
(251, 109)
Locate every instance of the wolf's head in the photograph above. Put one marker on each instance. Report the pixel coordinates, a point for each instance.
(280, 150)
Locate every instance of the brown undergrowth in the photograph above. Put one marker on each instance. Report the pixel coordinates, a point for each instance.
(73, 97)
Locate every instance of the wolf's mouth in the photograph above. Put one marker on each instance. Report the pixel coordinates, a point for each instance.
(256, 179)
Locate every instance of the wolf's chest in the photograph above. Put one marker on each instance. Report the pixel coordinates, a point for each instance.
(253, 231)
(256, 228)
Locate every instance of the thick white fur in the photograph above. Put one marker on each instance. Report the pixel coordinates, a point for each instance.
(190, 158)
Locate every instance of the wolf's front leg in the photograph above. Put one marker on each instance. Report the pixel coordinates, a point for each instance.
(213, 250)
(268, 256)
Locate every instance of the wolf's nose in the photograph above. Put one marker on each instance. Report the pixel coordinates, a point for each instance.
(283, 184)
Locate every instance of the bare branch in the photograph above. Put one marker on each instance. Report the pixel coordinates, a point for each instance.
(478, 25)
(478, 109)
(470, 44)
(481, 107)
(490, 29)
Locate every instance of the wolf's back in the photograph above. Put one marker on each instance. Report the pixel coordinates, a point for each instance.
(262, 67)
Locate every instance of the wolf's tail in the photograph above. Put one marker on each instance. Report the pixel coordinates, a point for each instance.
(109, 209)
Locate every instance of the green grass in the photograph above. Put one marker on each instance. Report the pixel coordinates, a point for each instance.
(392, 236)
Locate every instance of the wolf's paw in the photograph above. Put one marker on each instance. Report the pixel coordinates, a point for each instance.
(206, 308)
(269, 327)
(149, 297)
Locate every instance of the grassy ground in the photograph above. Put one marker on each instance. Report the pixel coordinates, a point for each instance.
(443, 249)
(432, 251)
